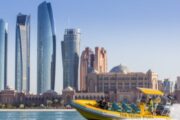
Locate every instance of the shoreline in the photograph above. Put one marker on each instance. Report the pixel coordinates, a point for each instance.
(37, 110)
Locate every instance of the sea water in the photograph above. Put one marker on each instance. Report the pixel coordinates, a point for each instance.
(63, 115)
(60, 115)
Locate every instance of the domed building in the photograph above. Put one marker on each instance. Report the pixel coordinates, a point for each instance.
(120, 69)
(121, 83)
(68, 95)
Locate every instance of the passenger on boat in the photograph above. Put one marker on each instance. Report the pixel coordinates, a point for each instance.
(151, 105)
(143, 99)
(103, 104)
(157, 101)
(171, 99)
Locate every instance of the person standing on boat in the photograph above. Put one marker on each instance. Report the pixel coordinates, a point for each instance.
(103, 104)
(100, 102)
(157, 101)
(151, 105)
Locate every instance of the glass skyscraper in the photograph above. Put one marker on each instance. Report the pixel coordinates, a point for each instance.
(46, 51)
(70, 57)
(3, 54)
(22, 58)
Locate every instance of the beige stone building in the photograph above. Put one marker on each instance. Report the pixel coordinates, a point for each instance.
(69, 94)
(121, 81)
(91, 61)
(9, 97)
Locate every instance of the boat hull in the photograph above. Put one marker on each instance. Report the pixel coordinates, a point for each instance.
(93, 115)
(86, 109)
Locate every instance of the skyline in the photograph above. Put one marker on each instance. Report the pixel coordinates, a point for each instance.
(145, 38)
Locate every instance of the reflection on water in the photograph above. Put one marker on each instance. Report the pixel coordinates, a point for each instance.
(40, 116)
(72, 115)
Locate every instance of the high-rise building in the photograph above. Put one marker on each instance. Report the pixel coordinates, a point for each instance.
(100, 64)
(167, 86)
(177, 86)
(3, 54)
(22, 58)
(86, 66)
(91, 61)
(46, 51)
(70, 57)
(177, 89)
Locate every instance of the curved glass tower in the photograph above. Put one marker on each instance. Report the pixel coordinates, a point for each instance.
(46, 51)
(22, 58)
(70, 57)
(3, 54)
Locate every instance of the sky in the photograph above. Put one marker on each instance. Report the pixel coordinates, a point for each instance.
(141, 34)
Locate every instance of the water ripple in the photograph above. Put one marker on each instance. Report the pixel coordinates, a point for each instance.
(40, 116)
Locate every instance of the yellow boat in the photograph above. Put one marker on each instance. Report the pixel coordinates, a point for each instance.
(90, 110)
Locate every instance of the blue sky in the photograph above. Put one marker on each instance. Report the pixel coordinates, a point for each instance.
(142, 34)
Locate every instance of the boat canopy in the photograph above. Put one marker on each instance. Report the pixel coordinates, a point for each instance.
(150, 91)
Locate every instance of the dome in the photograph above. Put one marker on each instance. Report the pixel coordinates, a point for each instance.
(68, 89)
(120, 69)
